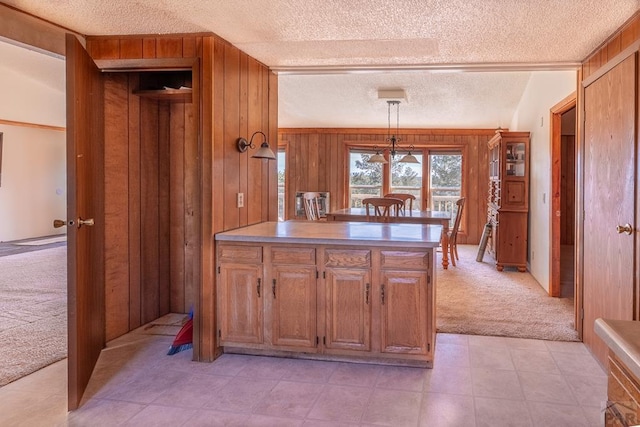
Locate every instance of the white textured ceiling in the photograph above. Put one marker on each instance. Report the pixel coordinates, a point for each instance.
(345, 35)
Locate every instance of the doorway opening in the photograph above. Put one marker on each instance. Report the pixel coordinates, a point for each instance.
(563, 160)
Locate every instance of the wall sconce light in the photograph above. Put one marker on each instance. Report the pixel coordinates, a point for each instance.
(264, 152)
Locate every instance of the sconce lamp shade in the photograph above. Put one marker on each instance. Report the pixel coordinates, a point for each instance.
(264, 152)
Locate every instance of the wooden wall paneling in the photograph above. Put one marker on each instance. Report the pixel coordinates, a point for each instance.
(218, 132)
(475, 188)
(614, 47)
(255, 178)
(149, 207)
(149, 47)
(272, 117)
(189, 49)
(165, 138)
(103, 48)
(116, 157)
(192, 202)
(30, 30)
(313, 181)
(290, 178)
(323, 159)
(169, 47)
(232, 158)
(630, 33)
(244, 129)
(205, 325)
(267, 184)
(177, 210)
(130, 48)
(135, 206)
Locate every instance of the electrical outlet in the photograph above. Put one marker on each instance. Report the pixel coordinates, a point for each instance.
(240, 200)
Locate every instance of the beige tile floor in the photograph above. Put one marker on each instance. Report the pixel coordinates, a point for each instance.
(476, 381)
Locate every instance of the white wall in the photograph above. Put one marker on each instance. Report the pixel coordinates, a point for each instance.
(544, 90)
(33, 180)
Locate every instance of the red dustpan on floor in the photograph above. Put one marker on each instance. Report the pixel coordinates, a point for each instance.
(184, 338)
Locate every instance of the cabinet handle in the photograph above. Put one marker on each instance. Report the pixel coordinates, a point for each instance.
(273, 288)
(366, 294)
(258, 287)
(382, 294)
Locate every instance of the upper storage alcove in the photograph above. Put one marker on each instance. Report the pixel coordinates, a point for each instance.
(175, 86)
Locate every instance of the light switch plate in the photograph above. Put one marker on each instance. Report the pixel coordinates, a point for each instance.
(240, 200)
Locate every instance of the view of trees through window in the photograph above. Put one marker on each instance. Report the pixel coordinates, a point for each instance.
(444, 182)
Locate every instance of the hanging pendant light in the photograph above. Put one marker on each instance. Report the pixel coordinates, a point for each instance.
(393, 141)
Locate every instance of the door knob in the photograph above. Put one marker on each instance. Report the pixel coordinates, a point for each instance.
(627, 228)
(82, 222)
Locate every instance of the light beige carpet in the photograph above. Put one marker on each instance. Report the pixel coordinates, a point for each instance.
(33, 311)
(474, 298)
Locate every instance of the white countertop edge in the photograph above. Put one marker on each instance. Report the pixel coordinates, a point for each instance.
(619, 345)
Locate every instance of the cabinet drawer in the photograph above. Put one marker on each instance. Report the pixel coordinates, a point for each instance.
(298, 255)
(405, 259)
(243, 254)
(347, 258)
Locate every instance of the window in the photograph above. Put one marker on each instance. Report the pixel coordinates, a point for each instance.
(365, 179)
(445, 185)
(407, 178)
(281, 179)
(441, 176)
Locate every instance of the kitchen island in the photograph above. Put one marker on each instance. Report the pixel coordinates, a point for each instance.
(329, 290)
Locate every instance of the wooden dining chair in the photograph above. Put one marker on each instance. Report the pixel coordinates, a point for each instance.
(311, 205)
(381, 209)
(453, 233)
(405, 197)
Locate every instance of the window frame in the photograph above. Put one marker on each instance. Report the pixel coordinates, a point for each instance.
(426, 151)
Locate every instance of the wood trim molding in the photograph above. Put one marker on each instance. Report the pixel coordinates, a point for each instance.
(633, 48)
(26, 29)
(32, 125)
(384, 131)
(554, 207)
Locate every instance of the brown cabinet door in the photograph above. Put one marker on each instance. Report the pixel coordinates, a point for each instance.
(404, 312)
(348, 305)
(240, 303)
(609, 200)
(293, 306)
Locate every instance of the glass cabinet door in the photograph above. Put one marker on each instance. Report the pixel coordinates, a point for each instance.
(515, 159)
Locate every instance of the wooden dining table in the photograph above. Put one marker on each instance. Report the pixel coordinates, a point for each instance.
(408, 216)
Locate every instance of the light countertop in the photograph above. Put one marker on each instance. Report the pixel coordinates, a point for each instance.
(337, 233)
(623, 338)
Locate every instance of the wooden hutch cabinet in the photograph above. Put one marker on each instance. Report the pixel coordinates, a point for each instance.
(508, 202)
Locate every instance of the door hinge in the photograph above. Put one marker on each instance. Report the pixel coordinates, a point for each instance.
(428, 346)
(219, 333)
(428, 279)
(324, 341)
(317, 274)
(317, 341)
(582, 314)
(324, 275)
(218, 269)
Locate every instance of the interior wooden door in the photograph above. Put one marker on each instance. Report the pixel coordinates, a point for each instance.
(609, 194)
(85, 203)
